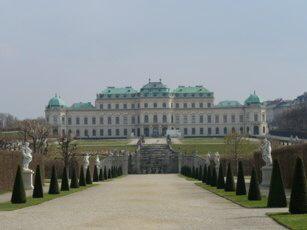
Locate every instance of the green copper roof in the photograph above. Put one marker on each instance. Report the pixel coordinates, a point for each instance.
(154, 87)
(81, 105)
(227, 104)
(253, 99)
(56, 102)
(114, 90)
(191, 89)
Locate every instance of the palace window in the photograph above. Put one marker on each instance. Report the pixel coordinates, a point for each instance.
(117, 120)
(125, 106)
(217, 131)
(86, 133)
(241, 118)
(164, 105)
(69, 121)
(109, 106)
(193, 105)
(185, 131)
(233, 118)
(209, 131)
(155, 118)
(201, 131)
(125, 120)
(177, 105)
(185, 119)
(77, 132)
(101, 120)
(77, 120)
(177, 119)
(164, 119)
(117, 133)
(132, 120)
(225, 131)
(209, 119)
(101, 106)
(125, 132)
(109, 132)
(94, 132)
(263, 117)
(225, 118)
(146, 119)
(132, 106)
(217, 119)
(193, 118)
(256, 117)
(94, 120)
(116, 106)
(109, 120)
(209, 105)
(101, 132)
(241, 130)
(69, 132)
(155, 105)
(85, 121)
(201, 119)
(201, 105)
(185, 105)
(193, 131)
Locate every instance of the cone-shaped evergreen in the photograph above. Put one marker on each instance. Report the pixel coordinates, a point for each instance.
(230, 183)
(254, 191)
(196, 173)
(74, 179)
(38, 186)
(88, 176)
(100, 174)
(241, 189)
(200, 173)
(95, 175)
(205, 172)
(105, 174)
(193, 172)
(109, 174)
(213, 177)
(64, 182)
(19, 193)
(277, 196)
(209, 175)
(54, 186)
(220, 179)
(82, 181)
(298, 200)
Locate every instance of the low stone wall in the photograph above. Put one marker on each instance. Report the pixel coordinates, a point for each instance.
(9, 161)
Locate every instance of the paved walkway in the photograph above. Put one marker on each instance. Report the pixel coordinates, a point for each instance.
(139, 202)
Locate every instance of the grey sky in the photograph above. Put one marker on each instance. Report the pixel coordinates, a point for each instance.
(76, 48)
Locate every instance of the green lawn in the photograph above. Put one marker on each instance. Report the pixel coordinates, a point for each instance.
(291, 221)
(240, 200)
(8, 206)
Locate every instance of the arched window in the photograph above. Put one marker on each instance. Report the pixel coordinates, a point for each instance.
(164, 118)
(263, 130)
(225, 131)
(94, 132)
(146, 119)
(155, 118)
(164, 105)
(155, 105)
(256, 130)
(86, 133)
(217, 131)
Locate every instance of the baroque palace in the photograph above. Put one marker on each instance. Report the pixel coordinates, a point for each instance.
(154, 110)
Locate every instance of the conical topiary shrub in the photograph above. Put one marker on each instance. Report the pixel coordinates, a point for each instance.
(213, 177)
(277, 195)
(193, 172)
(88, 176)
(200, 173)
(205, 172)
(100, 174)
(241, 189)
(220, 179)
(74, 179)
(254, 191)
(38, 186)
(209, 175)
(54, 186)
(230, 183)
(196, 173)
(82, 181)
(95, 175)
(298, 200)
(105, 174)
(64, 182)
(19, 193)
(109, 174)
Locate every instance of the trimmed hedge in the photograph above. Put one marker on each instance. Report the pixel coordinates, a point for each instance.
(95, 175)
(100, 174)
(82, 181)
(213, 177)
(38, 186)
(19, 193)
(221, 180)
(230, 183)
(241, 189)
(74, 179)
(205, 174)
(65, 181)
(54, 185)
(254, 191)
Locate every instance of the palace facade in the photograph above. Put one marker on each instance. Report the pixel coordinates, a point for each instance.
(154, 109)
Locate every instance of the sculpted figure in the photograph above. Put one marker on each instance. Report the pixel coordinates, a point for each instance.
(208, 158)
(97, 162)
(26, 156)
(217, 159)
(86, 161)
(266, 152)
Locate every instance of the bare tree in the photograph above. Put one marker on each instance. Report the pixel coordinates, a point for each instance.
(67, 148)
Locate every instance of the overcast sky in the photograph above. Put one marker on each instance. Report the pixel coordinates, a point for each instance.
(77, 48)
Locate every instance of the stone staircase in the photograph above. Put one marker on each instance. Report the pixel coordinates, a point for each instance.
(157, 159)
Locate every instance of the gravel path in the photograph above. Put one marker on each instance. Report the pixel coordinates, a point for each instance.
(139, 202)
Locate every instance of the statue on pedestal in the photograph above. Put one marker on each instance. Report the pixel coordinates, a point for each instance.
(208, 159)
(97, 162)
(27, 174)
(217, 161)
(86, 162)
(266, 149)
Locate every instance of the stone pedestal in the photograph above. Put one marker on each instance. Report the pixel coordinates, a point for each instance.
(266, 175)
(27, 176)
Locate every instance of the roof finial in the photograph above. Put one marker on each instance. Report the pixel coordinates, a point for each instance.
(149, 80)
(254, 92)
(160, 79)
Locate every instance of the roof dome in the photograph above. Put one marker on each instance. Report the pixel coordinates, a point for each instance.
(253, 99)
(56, 102)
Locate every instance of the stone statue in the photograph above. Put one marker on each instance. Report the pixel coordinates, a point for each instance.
(86, 161)
(208, 159)
(97, 162)
(266, 152)
(26, 156)
(217, 159)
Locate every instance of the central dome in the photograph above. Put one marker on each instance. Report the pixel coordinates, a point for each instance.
(56, 102)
